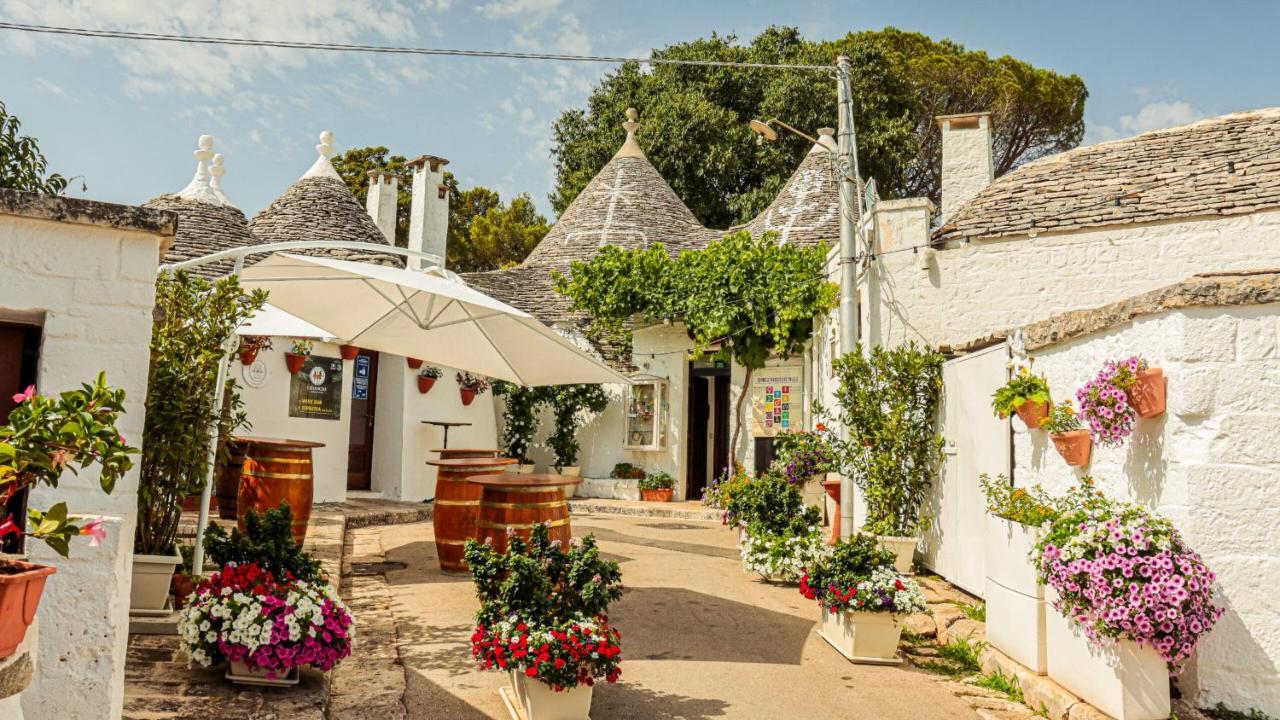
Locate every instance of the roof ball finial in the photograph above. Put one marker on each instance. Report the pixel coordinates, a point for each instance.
(630, 148)
(325, 148)
(199, 189)
(205, 142)
(632, 124)
(217, 171)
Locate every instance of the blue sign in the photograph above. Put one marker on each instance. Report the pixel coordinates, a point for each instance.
(362, 367)
(360, 388)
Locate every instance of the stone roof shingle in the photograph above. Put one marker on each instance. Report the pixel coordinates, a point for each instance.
(203, 229)
(807, 211)
(320, 208)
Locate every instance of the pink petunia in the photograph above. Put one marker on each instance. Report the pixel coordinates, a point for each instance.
(25, 395)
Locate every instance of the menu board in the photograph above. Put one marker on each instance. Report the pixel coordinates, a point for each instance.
(777, 400)
(315, 391)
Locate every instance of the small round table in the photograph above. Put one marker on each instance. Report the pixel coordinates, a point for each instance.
(515, 503)
(448, 453)
(277, 470)
(446, 424)
(457, 506)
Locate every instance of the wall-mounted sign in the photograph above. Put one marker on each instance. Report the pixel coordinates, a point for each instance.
(777, 401)
(255, 375)
(360, 382)
(315, 391)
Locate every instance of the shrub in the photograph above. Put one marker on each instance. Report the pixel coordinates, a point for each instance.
(771, 504)
(520, 418)
(1031, 507)
(1023, 387)
(1062, 418)
(568, 402)
(267, 541)
(657, 481)
(784, 555)
(802, 455)
(626, 471)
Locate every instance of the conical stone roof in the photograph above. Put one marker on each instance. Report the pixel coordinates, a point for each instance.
(807, 210)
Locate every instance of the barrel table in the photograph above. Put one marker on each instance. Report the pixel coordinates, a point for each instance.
(227, 479)
(515, 503)
(276, 470)
(457, 505)
(447, 453)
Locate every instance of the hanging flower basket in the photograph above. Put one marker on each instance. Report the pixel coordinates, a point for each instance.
(21, 584)
(349, 352)
(1032, 412)
(1074, 446)
(426, 383)
(414, 363)
(248, 355)
(468, 395)
(294, 362)
(1147, 395)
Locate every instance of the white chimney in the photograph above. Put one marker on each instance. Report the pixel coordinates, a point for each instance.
(381, 202)
(966, 158)
(429, 212)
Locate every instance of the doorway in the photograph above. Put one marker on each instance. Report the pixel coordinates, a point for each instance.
(708, 437)
(364, 400)
(19, 363)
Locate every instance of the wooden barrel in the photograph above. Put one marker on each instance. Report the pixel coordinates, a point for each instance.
(227, 480)
(457, 506)
(276, 471)
(454, 453)
(515, 503)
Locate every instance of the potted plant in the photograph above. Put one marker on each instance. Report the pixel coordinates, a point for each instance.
(1026, 394)
(427, 377)
(250, 346)
(44, 437)
(543, 619)
(184, 578)
(470, 385)
(297, 355)
(862, 599)
(1063, 426)
(569, 403)
(783, 535)
(520, 420)
(348, 352)
(1014, 595)
(804, 458)
(1104, 405)
(413, 363)
(657, 487)
(186, 350)
(1143, 385)
(1132, 601)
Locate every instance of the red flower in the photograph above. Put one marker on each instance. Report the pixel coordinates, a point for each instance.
(531, 672)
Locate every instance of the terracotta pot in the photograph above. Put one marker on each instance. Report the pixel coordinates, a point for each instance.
(414, 363)
(182, 585)
(294, 362)
(1074, 446)
(349, 352)
(658, 495)
(248, 356)
(468, 395)
(21, 584)
(1148, 396)
(191, 503)
(425, 384)
(1032, 413)
(833, 491)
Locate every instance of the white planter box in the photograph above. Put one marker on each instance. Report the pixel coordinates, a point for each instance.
(151, 577)
(1015, 600)
(1124, 680)
(903, 549)
(863, 637)
(537, 701)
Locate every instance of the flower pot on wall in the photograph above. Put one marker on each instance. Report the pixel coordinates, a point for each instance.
(349, 352)
(1123, 679)
(183, 585)
(1147, 397)
(414, 363)
(425, 384)
(294, 362)
(1015, 600)
(657, 495)
(468, 395)
(21, 585)
(539, 701)
(247, 357)
(1074, 446)
(863, 637)
(240, 673)
(152, 575)
(903, 549)
(833, 491)
(1032, 413)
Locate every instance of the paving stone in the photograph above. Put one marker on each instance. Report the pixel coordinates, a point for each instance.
(921, 624)
(1018, 713)
(1085, 711)
(938, 590)
(946, 614)
(972, 630)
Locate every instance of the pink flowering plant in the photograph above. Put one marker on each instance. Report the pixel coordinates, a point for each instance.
(1122, 572)
(244, 613)
(1104, 401)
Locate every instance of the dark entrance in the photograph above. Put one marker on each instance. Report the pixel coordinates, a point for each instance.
(708, 438)
(19, 361)
(364, 400)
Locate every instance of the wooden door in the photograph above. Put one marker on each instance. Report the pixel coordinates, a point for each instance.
(720, 427)
(364, 399)
(19, 360)
(699, 414)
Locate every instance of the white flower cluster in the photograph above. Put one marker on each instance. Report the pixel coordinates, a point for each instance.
(784, 557)
(886, 583)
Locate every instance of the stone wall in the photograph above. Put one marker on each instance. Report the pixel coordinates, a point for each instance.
(1210, 464)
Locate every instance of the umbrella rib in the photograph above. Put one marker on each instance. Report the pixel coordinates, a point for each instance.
(494, 345)
(395, 305)
(431, 322)
(373, 324)
(408, 304)
(469, 319)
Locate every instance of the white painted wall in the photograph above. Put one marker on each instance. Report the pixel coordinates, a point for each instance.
(1211, 464)
(94, 287)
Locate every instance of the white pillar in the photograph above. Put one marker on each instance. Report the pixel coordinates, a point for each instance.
(429, 212)
(966, 159)
(381, 202)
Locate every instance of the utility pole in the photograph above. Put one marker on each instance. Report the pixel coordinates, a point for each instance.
(850, 220)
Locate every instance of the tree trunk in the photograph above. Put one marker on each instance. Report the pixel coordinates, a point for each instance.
(737, 426)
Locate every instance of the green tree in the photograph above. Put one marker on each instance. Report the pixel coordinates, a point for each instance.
(502, 236)
(22, 165)
(354, 166)
(740, 298)
(694, 119)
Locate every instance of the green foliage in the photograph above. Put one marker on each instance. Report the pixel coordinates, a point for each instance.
(354, 166)
(694, 119)
(268, 541)
(889, 405)
(1023, 386)
(502, 236)
(1007, 684)
(541, 581)
(430, 371)
(568, 403)
(520, 418)
(771, 504)
(1062, 418)
(1031, 507)
(850, 561)
(47, 436)
(626, 471)
(974, 611)
(195, 317)
(957, 658)
(22, 165)
(657, 481)
(1222, 712)
(721, 492)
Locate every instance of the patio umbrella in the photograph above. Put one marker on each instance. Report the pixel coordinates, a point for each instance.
(437, 319)
(272, 320)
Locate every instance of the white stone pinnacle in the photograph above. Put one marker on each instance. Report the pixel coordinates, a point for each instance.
(199, 189)
(217, 171)
(630, 148)
(322, 167)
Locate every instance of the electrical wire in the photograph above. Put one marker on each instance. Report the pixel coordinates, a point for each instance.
(391, 50)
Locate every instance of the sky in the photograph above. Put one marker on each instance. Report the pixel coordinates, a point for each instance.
(126, 115)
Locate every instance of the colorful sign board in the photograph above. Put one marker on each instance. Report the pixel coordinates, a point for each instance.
(777, 400)
(315, 391)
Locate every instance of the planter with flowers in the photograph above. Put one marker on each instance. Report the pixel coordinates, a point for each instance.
(297, 355)
(657, 487)
(543, 620)
(46, 436)
(1015, 598)
(1143, 385)
(782, 535)
(863, 601)
(469, 386)
(804, 458)
(427, 377)
(1122, 391)
(348, 352)
(1026, 394)
(1073, 443)
(250, 346)
(1132, 602)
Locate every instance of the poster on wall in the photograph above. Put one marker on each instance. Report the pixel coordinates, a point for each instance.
(315, 391)
(360, 380)
(777, 401)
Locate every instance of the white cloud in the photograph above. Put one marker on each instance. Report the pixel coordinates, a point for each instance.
(507, 9)
(1152, 116)
(51, 87)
